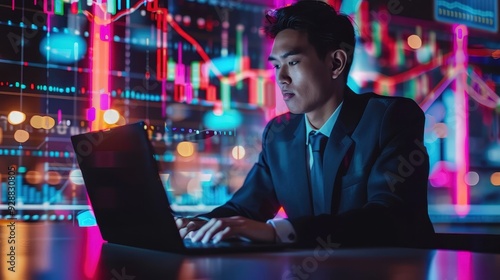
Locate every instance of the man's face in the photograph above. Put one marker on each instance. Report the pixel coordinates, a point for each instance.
(304, 79)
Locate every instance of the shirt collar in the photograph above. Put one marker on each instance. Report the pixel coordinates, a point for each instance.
(327, 127)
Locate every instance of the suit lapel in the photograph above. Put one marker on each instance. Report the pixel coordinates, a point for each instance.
(340, 141)
(335, 151)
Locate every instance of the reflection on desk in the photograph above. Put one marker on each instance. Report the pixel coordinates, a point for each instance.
(48, 250)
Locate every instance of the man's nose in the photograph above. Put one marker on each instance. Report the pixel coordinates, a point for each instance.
(283, 77)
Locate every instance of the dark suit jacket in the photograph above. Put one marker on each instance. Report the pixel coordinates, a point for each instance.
(375, 172)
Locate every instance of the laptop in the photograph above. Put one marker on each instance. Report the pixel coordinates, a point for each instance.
(130, 204)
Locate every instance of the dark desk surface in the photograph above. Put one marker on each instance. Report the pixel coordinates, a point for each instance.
(62, 251)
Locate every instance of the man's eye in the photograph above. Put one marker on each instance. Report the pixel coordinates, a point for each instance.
(276, 66)
(292, 62)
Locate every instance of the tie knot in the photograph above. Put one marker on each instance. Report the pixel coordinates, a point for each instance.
(318, 140)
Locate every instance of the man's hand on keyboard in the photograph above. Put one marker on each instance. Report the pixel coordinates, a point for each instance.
(188, 225)
(218, 229)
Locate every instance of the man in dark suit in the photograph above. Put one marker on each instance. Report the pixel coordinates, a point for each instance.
(363, 184)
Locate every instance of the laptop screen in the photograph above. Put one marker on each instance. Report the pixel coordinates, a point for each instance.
(123, 183)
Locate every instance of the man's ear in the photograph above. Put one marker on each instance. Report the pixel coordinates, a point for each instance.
(339, 61)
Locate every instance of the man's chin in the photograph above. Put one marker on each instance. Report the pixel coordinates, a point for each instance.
(295, 111)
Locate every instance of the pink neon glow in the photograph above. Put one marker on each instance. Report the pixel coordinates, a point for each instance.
(46, 8)
(100, 57)
(101, 28)
(464, 263)
(93, 248)
(189, 92)
(451, 265)
(281, 213)
(105, 100)
(462, 206)
(91, 114)
(179, 53)
(440, 178)
(59, 116)
(180, 76)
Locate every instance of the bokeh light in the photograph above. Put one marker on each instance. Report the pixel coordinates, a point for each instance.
(496, 54)
(185, 149)
(441, 174)
(53, 178)
(414, 41)
(440, 178)
(111, 116)
(21, 136)
(16, 117)
(36, 121)
(495, 179)
(121, 121)
(471, 178)
(75, 176)
(48, 122)
(33, 177)
(424, 54)
(493, 154)
(441, 130)
(238, 152)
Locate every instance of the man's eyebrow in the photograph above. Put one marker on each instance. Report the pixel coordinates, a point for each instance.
(285, 55)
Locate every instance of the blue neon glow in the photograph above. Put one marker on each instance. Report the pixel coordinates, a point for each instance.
(493, 154)
(86, 219)
(63, 48)
(143, 38)
(229, 119)
(225, 65)
(350, 7)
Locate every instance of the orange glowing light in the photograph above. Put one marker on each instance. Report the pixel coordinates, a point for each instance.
(414, 41)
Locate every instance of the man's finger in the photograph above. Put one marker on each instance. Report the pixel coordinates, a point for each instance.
(215, 228)
(225, 233)
(201, 232)
(180, 222)
(186, 226)
(183, 232)
(192, 226)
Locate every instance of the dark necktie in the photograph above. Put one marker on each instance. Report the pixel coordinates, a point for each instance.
(318, 141)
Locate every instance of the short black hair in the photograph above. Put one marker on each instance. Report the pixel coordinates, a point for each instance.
(327, 29)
